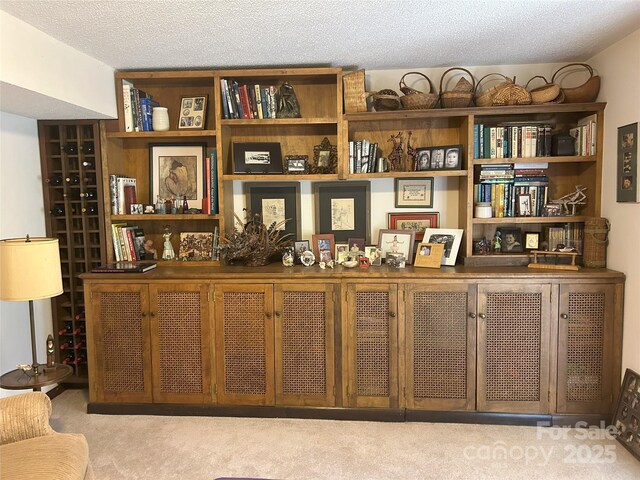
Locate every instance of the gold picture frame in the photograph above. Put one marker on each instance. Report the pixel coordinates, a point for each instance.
(429, 255)
(193, 112)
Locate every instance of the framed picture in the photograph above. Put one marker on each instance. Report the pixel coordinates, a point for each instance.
(299, 247)
(374, 254)
(177, 171)
(415, 221)
(523, 205)
(627, 181)
(437, 158)
(323, 247)
(511, 240)
(193, 113)
(414, 192)
(275, 202)
(423, 159)
(355, 245)
(429, 255)
(343, 209)
(532, 240)
(137, 209)
(397, 242)
(450, 238)
(552, 210)
(195, 246)
(342, 252)
(296, 164)
(453, 157)
(257, 157)
(626, 419)
(325, 157)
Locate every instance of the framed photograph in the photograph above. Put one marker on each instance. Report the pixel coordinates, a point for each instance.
(296, 164)
(374, 254)
(523, 205)
(137, 209)
(423, 159)
(342, 252)
(356, 245)
(627, 178)
(299, 247)
(532, 240)
(177, 171)
(626, 419)
(450, 238)
(437, 158)
(275, 202)
(396, 242)
(149, 209)
(195, 246)
(323, 247)
(429, 255)
(325, 157)
(193, 113)
(552, 210)
(343, 209)
(257, 157)
(453, 157)
(511, 240)
(414, 192)
(415, 221)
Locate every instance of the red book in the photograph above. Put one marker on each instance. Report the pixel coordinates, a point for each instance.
(244, 98)
(129, 198)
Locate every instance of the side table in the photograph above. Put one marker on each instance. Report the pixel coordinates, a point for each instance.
(20, 380)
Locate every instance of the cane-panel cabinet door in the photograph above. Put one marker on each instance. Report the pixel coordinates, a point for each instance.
(513, 348)
(304, 316)
(370, 334)
(244, 351)
(585, 343)
(120, 361)
(440, 346)
(180, 343)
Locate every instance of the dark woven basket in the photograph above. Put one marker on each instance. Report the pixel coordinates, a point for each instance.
(596, 231)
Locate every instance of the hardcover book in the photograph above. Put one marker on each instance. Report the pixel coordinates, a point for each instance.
(125, 267)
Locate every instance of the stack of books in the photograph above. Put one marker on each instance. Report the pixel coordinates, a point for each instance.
(512, 140)
(247, 101)
(138, 106)
(571, 235)
(123, 194)
(128, 243)
(363, 157)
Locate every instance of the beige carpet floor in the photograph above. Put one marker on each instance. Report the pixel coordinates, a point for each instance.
(204, 448)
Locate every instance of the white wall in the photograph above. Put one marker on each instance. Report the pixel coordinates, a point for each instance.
(21, 214)
(620, 67)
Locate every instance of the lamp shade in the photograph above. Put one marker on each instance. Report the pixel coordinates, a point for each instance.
(29, 269)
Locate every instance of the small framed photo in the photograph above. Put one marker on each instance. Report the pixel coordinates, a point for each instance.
(453, 157)
(343, 209)
(177, 171)
(342, 252)
(276, 202)
(423, 159)
(323, 247)
(299, 248)
(363, 262)
(374, 254)
(532, 240)
(450, 238)
(511, 240)
(149, 209)
(414, 192)
(415, 221)
(296, 164)
(552, 210)
(429, 255)
(193, 113)
(626, 419)
(396, 242)
(437, 158)
(523, 205)
(257, 157)
(137, 209)
(355, 245)
(325, 157)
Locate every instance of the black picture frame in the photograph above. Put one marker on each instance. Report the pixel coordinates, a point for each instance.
(284, 200)
(257, 158)
(299, 247)
(511, 247)
(627, 186)
(348, 200)
(453, 157)
(423, 159)
(626, 419)
(296, 164)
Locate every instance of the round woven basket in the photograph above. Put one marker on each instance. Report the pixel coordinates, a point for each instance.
(461, 95)
(511, 95)
(485, 99)
(386, 99)
(414, 99)
(544, 94)
(587, 92)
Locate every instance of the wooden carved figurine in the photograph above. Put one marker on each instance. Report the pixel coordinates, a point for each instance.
(411, 154)
(395, 157)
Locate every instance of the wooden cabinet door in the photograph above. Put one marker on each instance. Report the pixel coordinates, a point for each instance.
(370, 335)
(440, 347)
(120, 348)
(304, 348)
(244, 344)
(180, 343)
(513, 348)
(585, 349)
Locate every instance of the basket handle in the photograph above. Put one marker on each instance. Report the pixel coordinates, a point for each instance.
(488, 75)
(473, 80)
(588, 67)
(538, 76)
(402, 83)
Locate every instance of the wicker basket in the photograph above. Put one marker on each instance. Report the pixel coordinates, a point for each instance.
(596, 231)
(587, 92)
(549, 92)
(355, 96)
(386, 99)
(461, 95)
(414, 99)
(485, 99)
(511, 95)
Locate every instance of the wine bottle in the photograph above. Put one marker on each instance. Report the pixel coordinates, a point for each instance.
(66, 329)
(55, 180)
(79, 330)
(67, 344)
(71, 148)
(89, 179)
(79, 359)
(68, 359)
(88, 147)
(90, 194)
(78, 345)
(73, 179)
(58, 211)
(90, 210)
(88, 164)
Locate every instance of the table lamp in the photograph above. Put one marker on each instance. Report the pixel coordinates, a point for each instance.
(30, 270)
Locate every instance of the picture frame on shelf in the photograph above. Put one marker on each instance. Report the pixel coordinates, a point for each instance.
(626, 418)
(429, 255)
(343, 209)
(177, 170)
(355, 245)
(275, 202)
(396, 242)
(437, 158)
(532, 240)
(195, 246)
(450, 238)
(193, 112)
(296, 164)
(453, 157)
(342, 252)
(257, 158)
(323, 246)
(299, 247)
(374, 254)
(552, 210)
(423, 159)
(628, 189)
(523, 205)
(414, 192)
(511, 240)
(416, 221)
(325, 158)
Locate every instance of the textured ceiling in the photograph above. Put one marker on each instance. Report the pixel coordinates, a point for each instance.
(371, 34)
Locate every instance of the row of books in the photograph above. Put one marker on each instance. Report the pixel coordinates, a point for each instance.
(122, 190)
(511, 141)
(363, 157)
(585, 136)
(138, 107)
(128, 242)
(248, 101)
(571, 235)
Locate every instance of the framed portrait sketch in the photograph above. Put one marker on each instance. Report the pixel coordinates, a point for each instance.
(627, 178)
(177, 171)
(450, 238)
(414, 192)
(323, 247)
(343, 209)
(193, 112)
(257, 157)
(397, 242)
(276, 201)
(429, 255)
(626, 419)
(532, 240)
(415, 221)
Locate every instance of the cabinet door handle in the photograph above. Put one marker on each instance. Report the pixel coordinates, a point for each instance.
(472, 315)
(392, 314)
(153, 314)
(482, 316)
(278, 314)
(564, 316)
(268, 314)
(143, 314)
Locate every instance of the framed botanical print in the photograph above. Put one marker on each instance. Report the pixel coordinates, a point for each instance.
(177, 171)
(275, 202)
(343, 209)
(414, 192)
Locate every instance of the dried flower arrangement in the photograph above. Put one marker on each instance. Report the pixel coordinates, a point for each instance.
(254, 244)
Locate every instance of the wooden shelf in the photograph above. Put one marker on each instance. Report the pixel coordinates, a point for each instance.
(169, 133)
(280, 177)
(564, 159)
(280, 121)
(157, 216)
(412, 174)
(507, 220)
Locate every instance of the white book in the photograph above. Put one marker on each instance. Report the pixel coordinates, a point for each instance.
(126, 103)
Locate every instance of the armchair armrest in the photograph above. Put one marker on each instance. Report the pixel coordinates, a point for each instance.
(24, 416)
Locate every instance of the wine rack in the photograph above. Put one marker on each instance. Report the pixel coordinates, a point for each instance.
(73, 199)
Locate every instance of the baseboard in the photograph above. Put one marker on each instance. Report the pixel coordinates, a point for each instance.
(486, 418)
